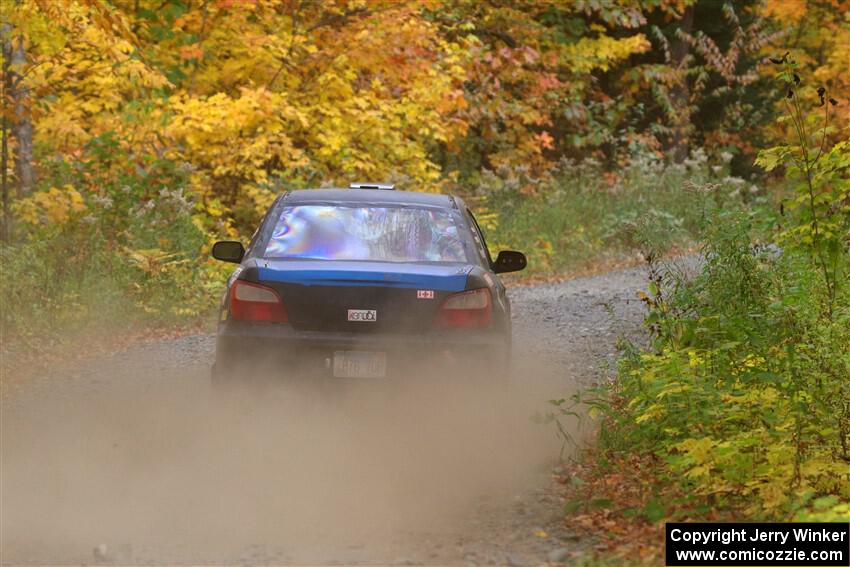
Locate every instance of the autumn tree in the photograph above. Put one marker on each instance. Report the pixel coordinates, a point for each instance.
(252, 95)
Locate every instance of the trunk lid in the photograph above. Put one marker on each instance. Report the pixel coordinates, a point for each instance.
(382, 296)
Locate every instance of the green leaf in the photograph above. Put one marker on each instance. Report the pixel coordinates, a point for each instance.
(572, 506)
(772, 158)
(654, 510)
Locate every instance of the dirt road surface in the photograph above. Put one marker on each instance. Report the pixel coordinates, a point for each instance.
(129, 459)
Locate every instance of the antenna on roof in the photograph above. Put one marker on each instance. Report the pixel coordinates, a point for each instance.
(383, 186)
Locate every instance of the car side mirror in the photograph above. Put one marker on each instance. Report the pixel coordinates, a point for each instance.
(228, 251)
(509, 261)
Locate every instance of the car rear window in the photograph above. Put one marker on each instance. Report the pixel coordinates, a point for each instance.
(387, 234)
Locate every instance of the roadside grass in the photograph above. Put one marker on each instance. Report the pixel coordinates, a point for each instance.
(63, 302)
(737, 410)
(105, 249)
(583, 216)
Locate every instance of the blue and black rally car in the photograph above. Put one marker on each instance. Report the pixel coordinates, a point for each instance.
(356, 283)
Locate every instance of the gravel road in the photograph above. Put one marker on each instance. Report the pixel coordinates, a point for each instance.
(128, 459)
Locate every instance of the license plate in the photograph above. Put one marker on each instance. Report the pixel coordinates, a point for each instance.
(360, 364)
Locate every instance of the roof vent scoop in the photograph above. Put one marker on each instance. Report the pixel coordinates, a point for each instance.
(382, 186)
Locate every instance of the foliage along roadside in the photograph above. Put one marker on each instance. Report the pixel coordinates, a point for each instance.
(132, 250)
(139, 131)
(583, 215)
(122, 252)
(740, 406)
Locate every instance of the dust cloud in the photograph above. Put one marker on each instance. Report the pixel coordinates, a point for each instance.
(145, 463)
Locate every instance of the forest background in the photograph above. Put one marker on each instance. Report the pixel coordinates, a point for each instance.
(136, 132)
(587, 133)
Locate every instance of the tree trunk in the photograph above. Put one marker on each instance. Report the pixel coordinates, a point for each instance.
(5, 53)
(680, 93)
(22, 125)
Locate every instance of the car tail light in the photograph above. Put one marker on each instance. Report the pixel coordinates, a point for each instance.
(466, 310)
(254, 302)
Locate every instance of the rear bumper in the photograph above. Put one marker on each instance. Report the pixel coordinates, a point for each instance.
(238, 342)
